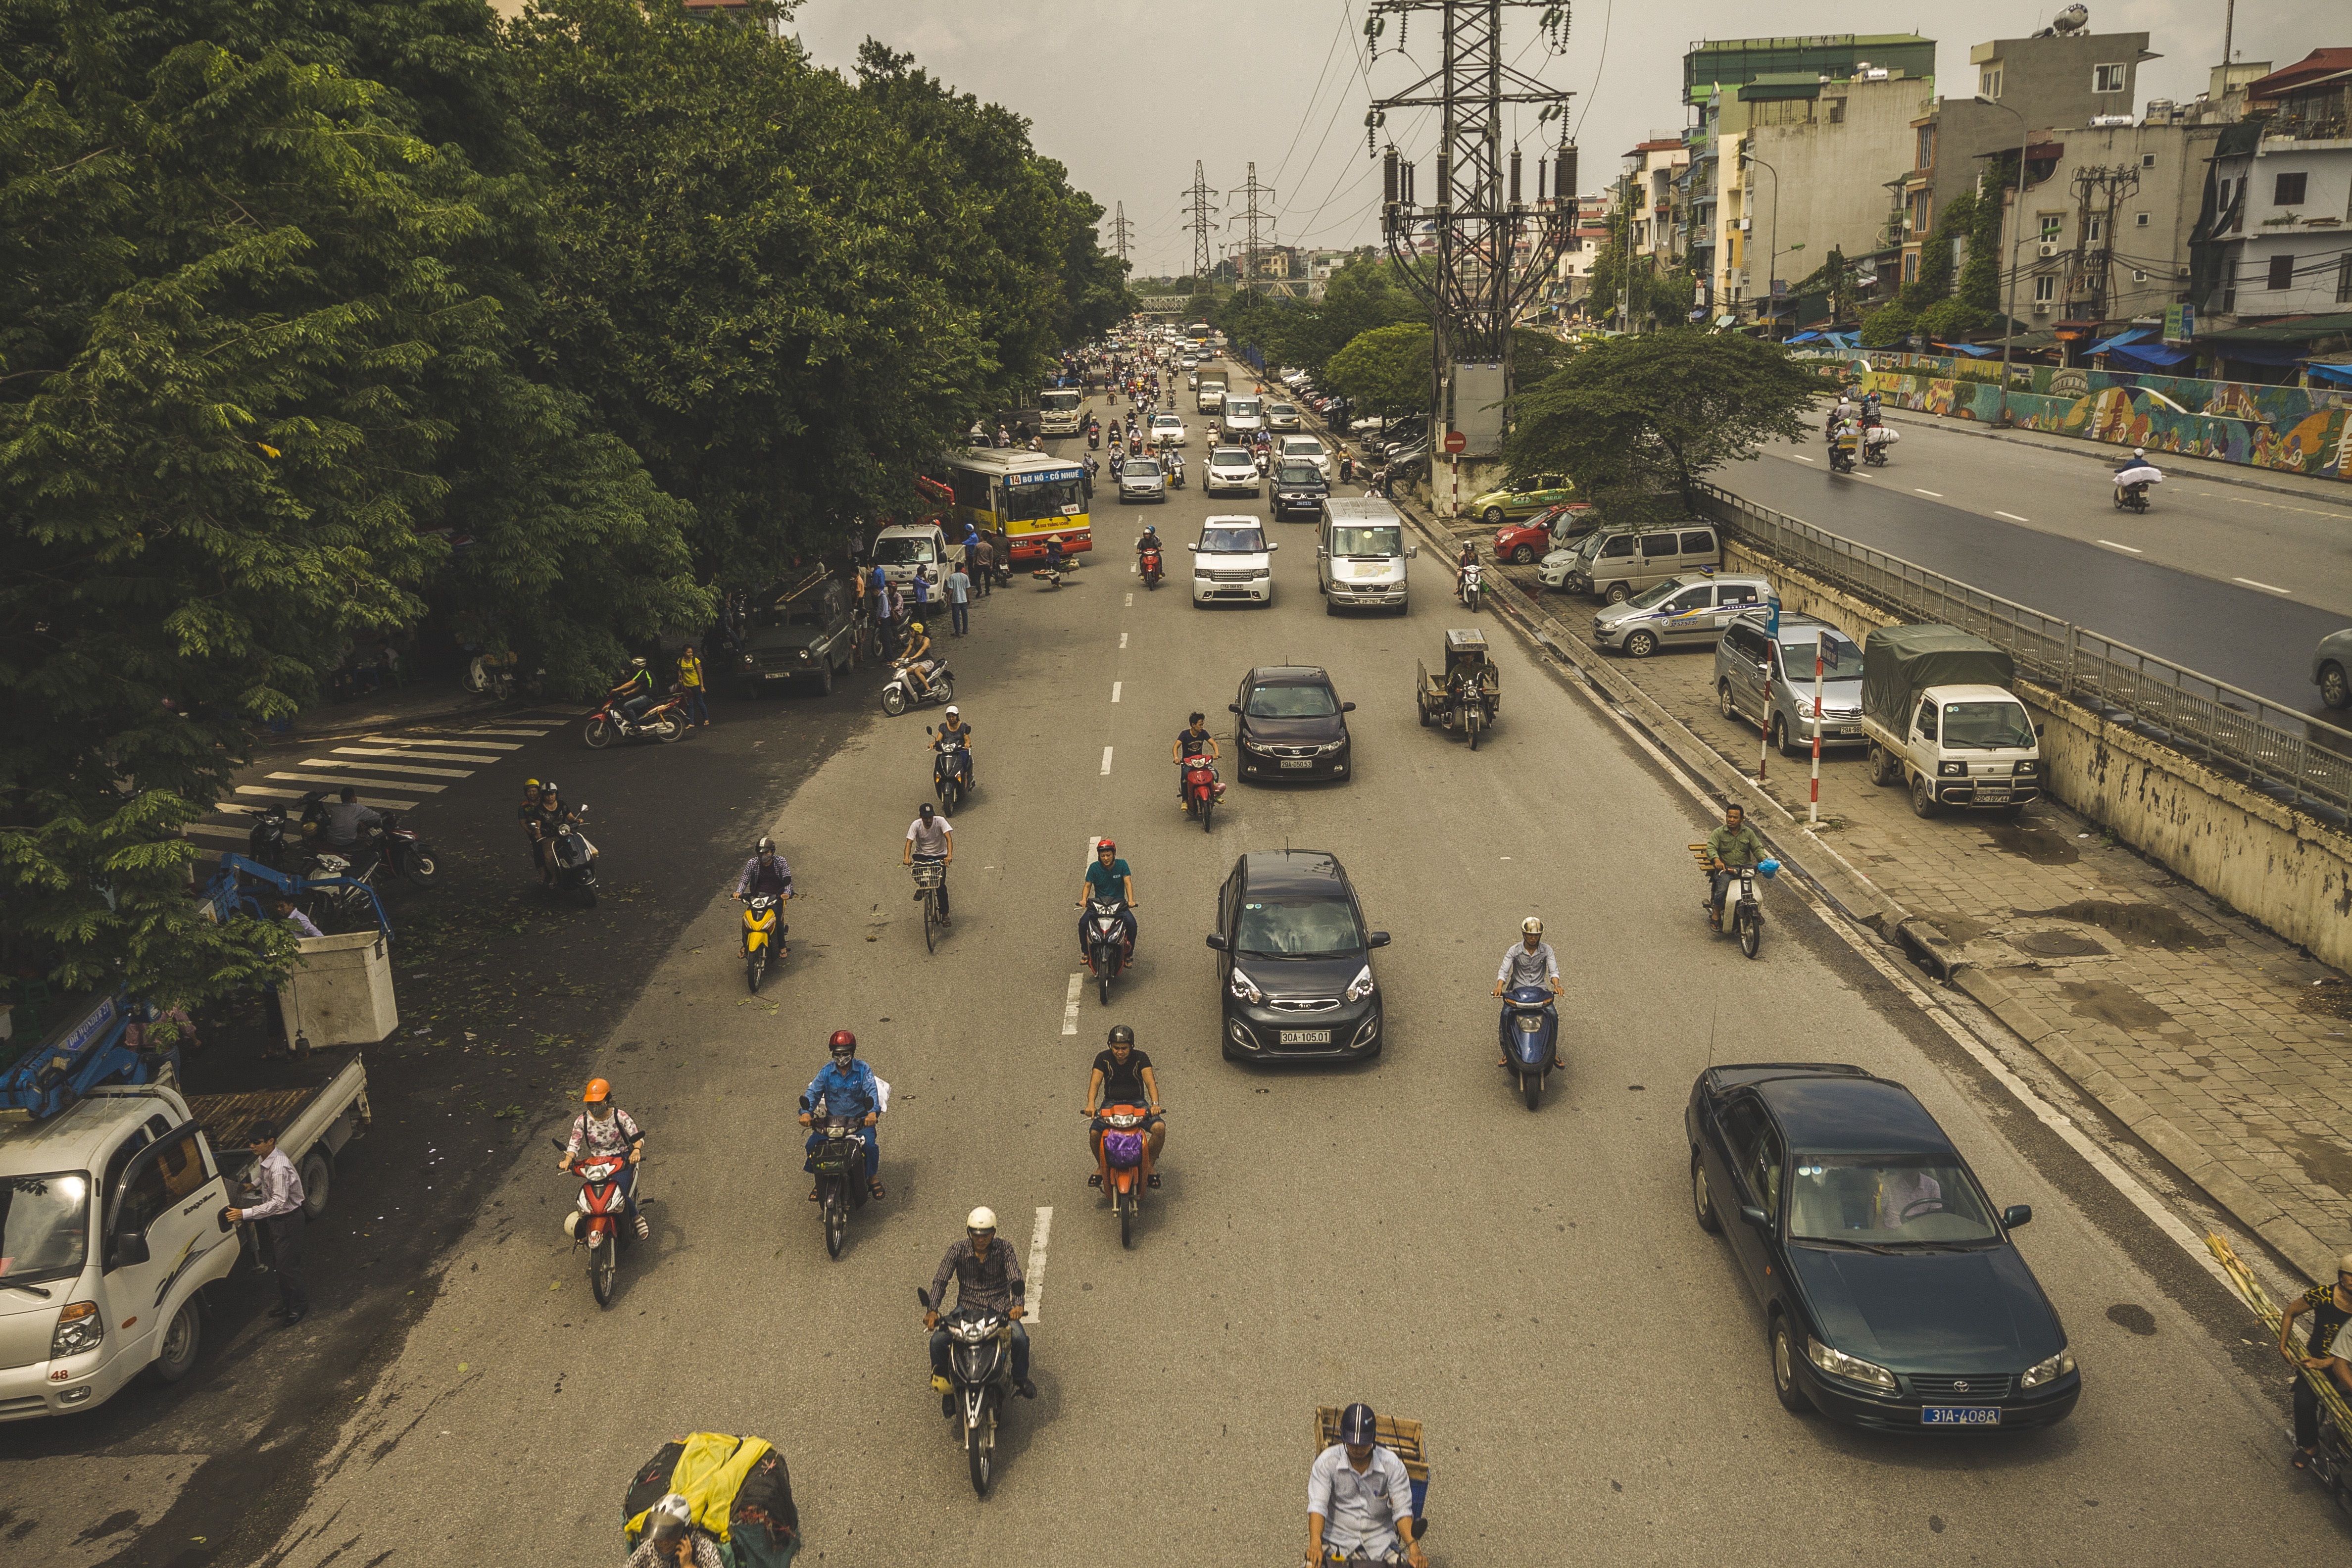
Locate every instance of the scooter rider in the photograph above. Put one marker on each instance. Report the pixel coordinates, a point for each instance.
(1527, 962)
(848, 1088)
(1360, 1496)
(604, 1129)
(1148, 540)
(767, 872)
(637, 690)
(915, 657)
(955, 732)
(1123, 1076)
(1191, 739)
(987, 1276)
(1729, 848)
(526, 818)
(673, 1539)
(553, 816)
(1107, 879)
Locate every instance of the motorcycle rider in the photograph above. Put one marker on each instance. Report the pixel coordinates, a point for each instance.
(1527, 962)
(1870, 410)
(932, 836)
(848, 1088)
(1359, 1498)
(2330, 1305)
(604, 1129)
(915, 657)
(987, 1276)
(526, 818)
(343, 825)
(955, 732)
(1192, 738)
(1123, 1076)
(1148, 540)
(636, 691)
(768, 873)
(1729, 848)
(553, 815)
(1461, 565)
(1107, 879)
(673, 1539)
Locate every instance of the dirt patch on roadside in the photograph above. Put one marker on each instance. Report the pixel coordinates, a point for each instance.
(2328, 998)
(2117, 1005)
(2056, 944)
(2142, 925)
(2031, 841)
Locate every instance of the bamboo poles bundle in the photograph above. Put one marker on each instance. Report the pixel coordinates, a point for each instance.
(2259, 1300)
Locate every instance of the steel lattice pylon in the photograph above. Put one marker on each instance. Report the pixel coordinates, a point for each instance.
(1200, 223)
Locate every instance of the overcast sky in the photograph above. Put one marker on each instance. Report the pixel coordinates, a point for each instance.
(1128, 94)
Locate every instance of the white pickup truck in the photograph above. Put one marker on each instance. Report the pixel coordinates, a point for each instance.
(1937, 705)
(110, 1226)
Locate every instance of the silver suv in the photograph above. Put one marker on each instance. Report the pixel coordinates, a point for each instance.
(1768, 680)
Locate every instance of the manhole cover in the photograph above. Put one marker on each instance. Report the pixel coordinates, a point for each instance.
(2056, 944)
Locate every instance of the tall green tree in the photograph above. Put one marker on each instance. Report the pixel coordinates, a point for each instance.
(1384, 371)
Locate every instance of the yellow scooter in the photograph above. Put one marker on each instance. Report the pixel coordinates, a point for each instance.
(764, 933)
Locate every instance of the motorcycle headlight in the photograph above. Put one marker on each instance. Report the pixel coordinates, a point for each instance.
(2050, 1371)
(79, 1329)
(1243, 988)
(1837, 1364)
(1362, 985)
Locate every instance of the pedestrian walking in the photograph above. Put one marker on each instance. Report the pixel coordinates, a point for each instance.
(959, 601)
(690, 675)
(922, 593)
(278, 1209)
(981, 552)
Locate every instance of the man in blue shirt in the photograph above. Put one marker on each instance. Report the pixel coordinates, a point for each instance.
(1107, 880)
(848, 1088)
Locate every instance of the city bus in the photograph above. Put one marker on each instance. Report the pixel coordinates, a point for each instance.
(1198, 332)
(1021, 498)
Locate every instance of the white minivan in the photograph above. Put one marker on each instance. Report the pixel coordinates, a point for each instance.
(1243, 414)
(1360, 555)
(904, 546)
(1234, 560)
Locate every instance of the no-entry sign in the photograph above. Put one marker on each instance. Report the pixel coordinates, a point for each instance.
(1456, 443)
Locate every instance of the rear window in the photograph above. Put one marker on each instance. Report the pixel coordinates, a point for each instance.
(1700, 543)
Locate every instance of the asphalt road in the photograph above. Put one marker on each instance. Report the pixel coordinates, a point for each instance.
(2236, 583)
(1531, 1286)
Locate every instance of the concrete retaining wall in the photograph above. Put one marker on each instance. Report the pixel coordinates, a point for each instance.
(2274, 864)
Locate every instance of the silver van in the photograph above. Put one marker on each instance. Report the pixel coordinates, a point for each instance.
(1768, 680)
(1618, 563)
(1360, 555)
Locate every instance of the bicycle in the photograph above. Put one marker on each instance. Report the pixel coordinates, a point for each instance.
(930, 876)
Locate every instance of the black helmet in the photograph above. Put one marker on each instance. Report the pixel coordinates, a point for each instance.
(1358, 1426)
(1121, 1034)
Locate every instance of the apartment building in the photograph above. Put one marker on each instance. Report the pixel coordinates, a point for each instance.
(2282, 183)
(1820, 159)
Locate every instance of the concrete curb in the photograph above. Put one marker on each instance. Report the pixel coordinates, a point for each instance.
(1867, 904)
(2103, 453)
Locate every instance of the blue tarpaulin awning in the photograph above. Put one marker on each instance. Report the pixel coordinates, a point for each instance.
(1972, 350)
(2130, 335)
(2152, 358)
(2323, 375)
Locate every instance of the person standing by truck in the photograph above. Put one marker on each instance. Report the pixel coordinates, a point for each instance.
(280, 1207)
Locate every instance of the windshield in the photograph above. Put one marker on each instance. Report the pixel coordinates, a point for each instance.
(1166, 422)
(1991, 725)
(1232, 457)
(1290, 702)
(904, 551)
(44, 1226)
(1840, 660)
(1300, 927)
(1885, 1200)
(1651, 598)
(1241, 407)
(1233, 541)
(803, 612)
(1367, 542)
(1058, 497)
(1300, 474)
(1059, 402)
(1280, 408)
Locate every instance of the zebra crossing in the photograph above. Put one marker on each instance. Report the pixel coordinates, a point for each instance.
(391, 773)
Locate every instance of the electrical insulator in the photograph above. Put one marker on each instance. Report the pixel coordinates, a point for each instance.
(1389, 175)
(1444, 189)
(1563, 172)
(1515, 176)
(1409, 197)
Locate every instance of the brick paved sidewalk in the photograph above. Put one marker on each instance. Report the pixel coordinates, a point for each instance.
(2183, 1019)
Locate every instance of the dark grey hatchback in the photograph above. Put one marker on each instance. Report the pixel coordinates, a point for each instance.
(1893, 1295)
(1291, 724)
(1294, 960)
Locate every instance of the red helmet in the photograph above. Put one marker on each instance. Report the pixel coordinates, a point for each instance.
(1103, 845)
(842, 1040)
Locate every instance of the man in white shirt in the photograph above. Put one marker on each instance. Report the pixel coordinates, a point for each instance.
(279, 1206)
(932, 836)
(1527, 962)
(1359, 1496)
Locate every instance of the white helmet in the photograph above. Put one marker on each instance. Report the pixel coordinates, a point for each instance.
(954, 711)
(1531, 926)
(670, 1516)
(982, 1218)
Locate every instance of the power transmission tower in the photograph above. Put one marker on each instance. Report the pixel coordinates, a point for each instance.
(1476, 252)
(1121, 232)
(1252, 215)
(1199, 225)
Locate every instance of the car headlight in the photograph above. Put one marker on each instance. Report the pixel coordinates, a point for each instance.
(1263, 571)
(1952, 770)
(1243, 988)
(1837, 1364)
(1804, 707)
(2026, 767)
(749, 660)
(1329, 746)
(1362, 985)
(804, 655)
(2050, 1371)
(79, 1329)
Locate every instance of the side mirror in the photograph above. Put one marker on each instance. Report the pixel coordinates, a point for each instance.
(1273, 545)
(1216, 942)
(1377, 939)
(2016, 1215)
(1193, 548)
(1412, 553)
(129, 1252)
(1347, 708)
(1233, 707)
(1750, 1214)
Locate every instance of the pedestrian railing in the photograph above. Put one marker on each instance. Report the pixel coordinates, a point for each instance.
(2273, 748)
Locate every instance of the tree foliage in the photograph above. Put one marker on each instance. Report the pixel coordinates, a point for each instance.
(1364, 294)
(1384, 371)
(1929, 305)
(1633, 415)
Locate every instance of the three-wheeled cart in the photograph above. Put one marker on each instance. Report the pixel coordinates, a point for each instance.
(1467, 693)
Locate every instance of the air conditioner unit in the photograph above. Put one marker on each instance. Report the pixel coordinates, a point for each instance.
(2042, 306)
(2047, 249)
(2139, 276)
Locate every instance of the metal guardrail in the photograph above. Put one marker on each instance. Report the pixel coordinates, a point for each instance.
(2273, 748)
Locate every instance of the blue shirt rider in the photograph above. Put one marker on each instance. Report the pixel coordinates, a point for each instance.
(850, 1089)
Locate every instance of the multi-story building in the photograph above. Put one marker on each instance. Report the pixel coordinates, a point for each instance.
(1820, 159)
(1588, 231)
(2282, 195)
(2071, 79)
(1654, 166)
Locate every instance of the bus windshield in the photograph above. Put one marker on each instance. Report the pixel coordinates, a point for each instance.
(1057, 496)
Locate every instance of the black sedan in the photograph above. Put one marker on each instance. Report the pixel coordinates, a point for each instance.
(1893, 1294)
(1294, 962)
(1299, 490)
(1291, 724)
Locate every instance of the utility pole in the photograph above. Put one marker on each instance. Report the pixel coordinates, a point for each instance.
(1252, 217)
(1121, 232)
(1476, 278)
(2099, 191)
(1200, 223)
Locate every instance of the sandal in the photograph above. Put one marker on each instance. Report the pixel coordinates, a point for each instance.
(874, 1190)
(2302, 1457)
(1154, 1179)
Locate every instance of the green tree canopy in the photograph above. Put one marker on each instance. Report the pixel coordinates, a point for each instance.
(1384, 371)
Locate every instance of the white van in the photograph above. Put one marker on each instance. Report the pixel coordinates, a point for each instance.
(903, 546)
(1360, 555)
(1243, 414)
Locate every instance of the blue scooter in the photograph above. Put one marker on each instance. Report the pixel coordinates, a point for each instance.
(1530, 1032)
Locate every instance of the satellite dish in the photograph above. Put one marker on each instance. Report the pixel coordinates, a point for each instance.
(2072, 19)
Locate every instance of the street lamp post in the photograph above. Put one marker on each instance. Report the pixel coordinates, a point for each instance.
(1632, 164)
(2009, 294)
(1773, 254)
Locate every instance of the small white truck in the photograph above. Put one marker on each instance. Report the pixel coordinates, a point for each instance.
(113, 1185)
(1937, 705)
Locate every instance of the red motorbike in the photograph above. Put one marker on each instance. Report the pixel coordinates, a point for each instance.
(1202, 788)
(600, 1221)
(1150, 567)
(1121, 1164)
(665, 721)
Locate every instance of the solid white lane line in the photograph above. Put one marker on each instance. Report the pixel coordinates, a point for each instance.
(1106, 767)
(1800, 457)
(1070, 1003)
(2129, 549)
(428, 756)
(1032, 1273)
(384, 767)
(1114, 690)
(1122, 640)
(368, 789)
(2265, 587)
(2012, 517)
(1937, 494)
(449, 738)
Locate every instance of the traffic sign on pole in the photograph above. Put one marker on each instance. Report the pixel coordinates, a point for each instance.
(1456, 443)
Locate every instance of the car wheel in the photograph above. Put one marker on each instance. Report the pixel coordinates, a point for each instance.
(1884, 770)
(825, 678)
(1641, 644)
(1703, 1200)
(2334, 690)
(184, 1336)
(1922, 797)
(1522, 554)
(1784, 1369)
(1617, 593)
(1723, 699)
(1781, 736)
(1494, 516)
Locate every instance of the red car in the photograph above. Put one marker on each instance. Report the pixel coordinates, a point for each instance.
(1523, 543)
